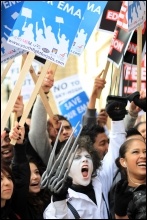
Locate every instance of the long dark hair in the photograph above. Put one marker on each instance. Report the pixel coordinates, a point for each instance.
(39, 200)
(5, 168)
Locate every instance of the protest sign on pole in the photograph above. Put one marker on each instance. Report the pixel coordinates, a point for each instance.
(9, 14)
(93, 12)
(119, 45)
(49, 35)
(109, 16)
(74, 108)
(66, 88)
(131, 53)
(129, 80)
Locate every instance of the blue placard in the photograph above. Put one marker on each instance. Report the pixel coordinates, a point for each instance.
(91, 17)
(9, 13)
(74, 109)
(48, 28)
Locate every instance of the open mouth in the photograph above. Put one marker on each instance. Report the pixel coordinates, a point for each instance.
(5, 152)
(34, 184)
(142, 164)
(84, 171)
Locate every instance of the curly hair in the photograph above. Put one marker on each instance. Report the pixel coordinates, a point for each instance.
(85, 142)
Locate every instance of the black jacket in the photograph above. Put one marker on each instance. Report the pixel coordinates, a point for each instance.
(137, 207)
(25, 204)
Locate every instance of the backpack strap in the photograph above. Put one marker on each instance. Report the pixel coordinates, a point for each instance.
(73, 210)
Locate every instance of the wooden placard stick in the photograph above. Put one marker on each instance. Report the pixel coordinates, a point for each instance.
(16, 90)
(52, 68)
(9, 64)
(14, 115)
(104, 77)
(41, 92)
(114, 79)
(139, 56)
(33, 96)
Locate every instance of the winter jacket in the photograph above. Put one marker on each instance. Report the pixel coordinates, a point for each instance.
(137, 207)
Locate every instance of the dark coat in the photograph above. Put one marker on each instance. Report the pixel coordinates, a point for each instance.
(137, 207)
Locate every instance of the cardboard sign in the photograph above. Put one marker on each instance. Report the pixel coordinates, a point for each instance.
(119, 45)
(45, 28)
(132, 15)
(9, 13)
(66, 88)
(110, 16)
(74, 108)
(131, 53)
(93, 13)
(130, 77)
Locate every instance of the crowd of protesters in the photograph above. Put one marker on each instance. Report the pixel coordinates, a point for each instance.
(106, 174)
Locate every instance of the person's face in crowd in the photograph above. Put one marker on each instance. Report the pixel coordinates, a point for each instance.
(81, 168)
(35, 179)
(135, 161)
(142, 130)
(66, 130)
(6, 187)
(52, 132)
(101, 144)
(7, 149)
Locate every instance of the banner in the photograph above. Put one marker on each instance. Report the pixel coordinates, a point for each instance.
(110, 16)
(9, 13)
(50, 34)
(91, 17)
(74, 108)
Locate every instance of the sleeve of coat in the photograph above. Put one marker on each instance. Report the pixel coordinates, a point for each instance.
(38, 134)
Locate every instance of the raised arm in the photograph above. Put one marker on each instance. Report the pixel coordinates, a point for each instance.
(90, 115)
(38, 134)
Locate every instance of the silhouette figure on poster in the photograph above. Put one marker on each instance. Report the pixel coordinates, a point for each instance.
(28, 32)
(141, 9)
(50, 39)
(63, 44)
(39, 36)
(81, 38)
(5, 47)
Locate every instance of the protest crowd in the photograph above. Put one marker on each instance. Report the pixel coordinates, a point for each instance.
(48, 169)
(90, 189)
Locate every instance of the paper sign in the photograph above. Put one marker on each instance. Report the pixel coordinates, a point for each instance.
(9, 13)
(119, 45)
(131, 53)
(74, 108)
(91, 17)
(66, 88)
(48, 28)
(110, 16)
(130, 77)
(132, 15)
